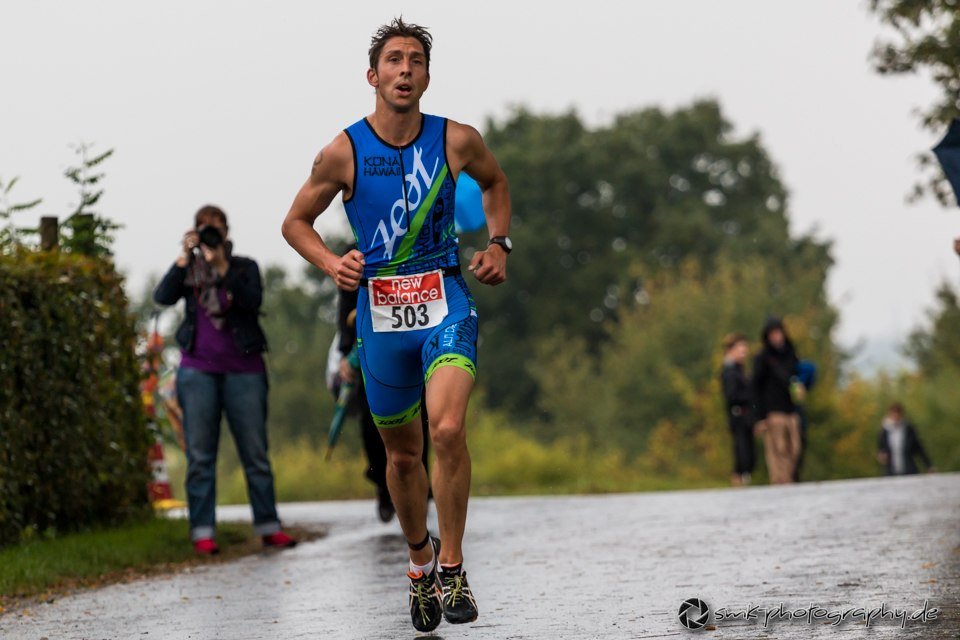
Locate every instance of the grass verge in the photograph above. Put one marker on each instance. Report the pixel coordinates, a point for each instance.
(506, 462)
(43, 569)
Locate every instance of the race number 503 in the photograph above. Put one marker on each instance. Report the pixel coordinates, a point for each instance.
(410, 318)
(407, 303)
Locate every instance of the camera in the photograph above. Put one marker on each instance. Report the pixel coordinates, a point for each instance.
(211, 237)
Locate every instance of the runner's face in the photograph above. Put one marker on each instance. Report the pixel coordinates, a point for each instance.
(401, 75)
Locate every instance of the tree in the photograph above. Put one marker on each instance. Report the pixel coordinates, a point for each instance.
(10, 235)
(929, 394)
(652, 189)
(662, 361)
(928, 39)
(299, 320)
(938, 346)
(85, 230)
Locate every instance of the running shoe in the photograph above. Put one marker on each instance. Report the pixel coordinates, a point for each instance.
(459, 605)
(385, 508)
(426, 603)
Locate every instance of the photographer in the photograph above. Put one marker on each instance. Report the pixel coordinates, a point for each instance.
(221, 370)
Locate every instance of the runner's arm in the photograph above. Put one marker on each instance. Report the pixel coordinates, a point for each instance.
(330, 174)
(476, 159)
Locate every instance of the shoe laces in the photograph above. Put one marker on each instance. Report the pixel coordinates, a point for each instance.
(422, 586)
(453, 587)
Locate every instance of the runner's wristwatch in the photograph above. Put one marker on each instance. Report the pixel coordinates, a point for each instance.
(504, 241)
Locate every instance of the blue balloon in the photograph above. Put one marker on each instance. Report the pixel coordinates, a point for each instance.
(468, 213)
(807, 373)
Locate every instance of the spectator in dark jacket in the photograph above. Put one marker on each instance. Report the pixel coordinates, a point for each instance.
(773, 374)
(221, 371)
(738, 399)
(898, 444)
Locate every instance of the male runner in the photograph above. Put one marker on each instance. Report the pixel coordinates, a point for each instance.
(416, 319)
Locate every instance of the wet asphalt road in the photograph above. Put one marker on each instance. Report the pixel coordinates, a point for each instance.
(614, 566)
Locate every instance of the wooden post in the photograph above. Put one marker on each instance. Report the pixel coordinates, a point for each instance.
(49, 233)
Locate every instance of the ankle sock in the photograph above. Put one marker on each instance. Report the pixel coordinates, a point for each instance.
(424, 568)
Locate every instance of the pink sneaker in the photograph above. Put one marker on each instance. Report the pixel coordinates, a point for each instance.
(279, 540)
(206, 547)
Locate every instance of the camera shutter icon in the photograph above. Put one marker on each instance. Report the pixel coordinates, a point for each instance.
(694, 613)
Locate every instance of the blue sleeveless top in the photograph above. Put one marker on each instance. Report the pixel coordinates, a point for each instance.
(402, 202)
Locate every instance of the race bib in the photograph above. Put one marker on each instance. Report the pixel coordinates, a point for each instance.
(407, 303)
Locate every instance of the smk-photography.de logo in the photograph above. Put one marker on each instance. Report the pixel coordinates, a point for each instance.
(694, 613)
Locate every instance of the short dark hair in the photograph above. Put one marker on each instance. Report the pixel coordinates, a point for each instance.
(897, 408)
(733, 339)
(399, 29)
(209, 211)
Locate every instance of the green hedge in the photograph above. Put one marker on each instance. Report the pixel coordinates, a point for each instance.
(73, 440)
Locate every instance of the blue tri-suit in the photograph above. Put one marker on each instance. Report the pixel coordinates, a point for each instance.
(401, 211)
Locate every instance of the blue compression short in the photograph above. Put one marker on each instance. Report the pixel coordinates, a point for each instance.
(396, 365)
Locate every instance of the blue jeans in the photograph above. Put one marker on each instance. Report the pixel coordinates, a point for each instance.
(204, 397)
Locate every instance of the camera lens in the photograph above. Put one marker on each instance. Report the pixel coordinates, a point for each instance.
(210, 236)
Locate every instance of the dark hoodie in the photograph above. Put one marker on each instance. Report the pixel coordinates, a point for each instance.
(772, 370)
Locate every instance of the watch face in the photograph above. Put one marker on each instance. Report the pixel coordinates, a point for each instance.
(508, 243)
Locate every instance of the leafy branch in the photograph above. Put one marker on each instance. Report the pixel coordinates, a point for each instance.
(928, 39)
(85, 230)
(9, 234)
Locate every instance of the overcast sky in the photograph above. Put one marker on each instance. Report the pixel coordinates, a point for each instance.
(228, 103)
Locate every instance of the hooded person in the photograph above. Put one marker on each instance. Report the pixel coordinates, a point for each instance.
(773, 374)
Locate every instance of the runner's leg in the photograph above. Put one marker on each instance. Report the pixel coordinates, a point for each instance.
(448, 392)
(407, 480)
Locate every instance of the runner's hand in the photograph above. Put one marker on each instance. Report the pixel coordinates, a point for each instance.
(347, 374)
(346, 271)
(490, 266)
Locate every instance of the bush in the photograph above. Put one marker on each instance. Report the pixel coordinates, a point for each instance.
(73, 440)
